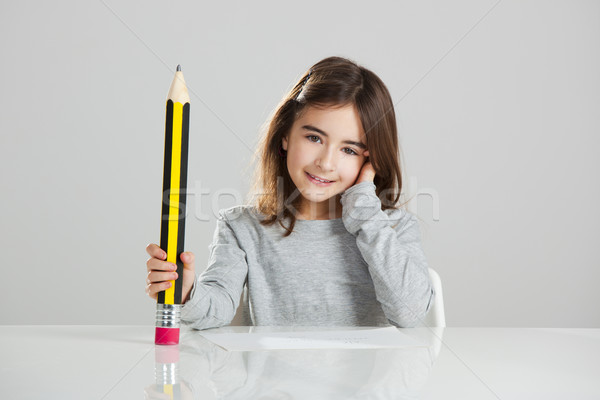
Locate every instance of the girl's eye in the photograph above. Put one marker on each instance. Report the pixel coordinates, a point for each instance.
(350, 152)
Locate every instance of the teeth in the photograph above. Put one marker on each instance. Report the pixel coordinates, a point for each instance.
(320, 180)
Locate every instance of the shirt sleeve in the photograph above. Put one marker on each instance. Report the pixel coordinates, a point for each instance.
(393, 252)
(216, 293)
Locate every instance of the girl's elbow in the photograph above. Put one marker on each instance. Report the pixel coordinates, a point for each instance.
(414, 316)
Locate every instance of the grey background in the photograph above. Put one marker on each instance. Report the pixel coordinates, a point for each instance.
(497, 106)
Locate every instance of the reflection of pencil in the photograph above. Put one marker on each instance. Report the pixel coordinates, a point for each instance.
(166, 372)
(172, 227)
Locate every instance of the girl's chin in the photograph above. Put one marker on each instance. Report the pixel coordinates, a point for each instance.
(318, 196)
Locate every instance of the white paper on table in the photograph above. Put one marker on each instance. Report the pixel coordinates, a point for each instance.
(335, 339)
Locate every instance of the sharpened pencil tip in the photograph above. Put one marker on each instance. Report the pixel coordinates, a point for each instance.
(178, 67)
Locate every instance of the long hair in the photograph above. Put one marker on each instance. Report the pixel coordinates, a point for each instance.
(331, 82)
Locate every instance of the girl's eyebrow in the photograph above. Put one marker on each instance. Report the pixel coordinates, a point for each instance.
(315, 129)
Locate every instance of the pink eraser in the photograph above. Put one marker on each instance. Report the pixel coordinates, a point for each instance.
(166, 336)
(166, 354)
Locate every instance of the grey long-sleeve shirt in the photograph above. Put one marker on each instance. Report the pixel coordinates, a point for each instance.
(365, 269)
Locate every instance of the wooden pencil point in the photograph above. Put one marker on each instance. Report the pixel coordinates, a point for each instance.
(178, 67)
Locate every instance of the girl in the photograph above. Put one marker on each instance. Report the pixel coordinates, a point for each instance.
(325, 243)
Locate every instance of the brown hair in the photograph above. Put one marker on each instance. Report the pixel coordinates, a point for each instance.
(331, 82)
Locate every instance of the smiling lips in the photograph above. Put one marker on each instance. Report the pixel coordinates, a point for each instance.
(319, 179)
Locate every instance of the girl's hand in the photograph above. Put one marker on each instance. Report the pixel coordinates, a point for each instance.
(367, 173)
(161, 272)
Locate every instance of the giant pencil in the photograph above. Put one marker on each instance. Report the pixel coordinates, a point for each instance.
(172, 227)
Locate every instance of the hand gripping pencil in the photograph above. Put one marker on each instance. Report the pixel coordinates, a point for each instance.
(172, 226)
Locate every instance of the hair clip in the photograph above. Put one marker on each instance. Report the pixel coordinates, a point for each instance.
(304, 83)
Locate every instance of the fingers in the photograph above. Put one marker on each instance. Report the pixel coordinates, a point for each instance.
(155, 261)
(161, 272)
(154, 250)
(152, 289)
(153, 264)
(157, 281)
(158, 276)
(157, 254)
(188, 259)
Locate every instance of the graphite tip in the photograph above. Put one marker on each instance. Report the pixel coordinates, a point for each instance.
(178, 67)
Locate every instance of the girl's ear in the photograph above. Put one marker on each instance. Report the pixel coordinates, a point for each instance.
(366, 153)
(284, 143)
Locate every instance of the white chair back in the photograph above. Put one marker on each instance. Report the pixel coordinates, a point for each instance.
(436, 316)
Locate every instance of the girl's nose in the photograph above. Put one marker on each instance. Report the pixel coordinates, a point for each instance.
(326, 160)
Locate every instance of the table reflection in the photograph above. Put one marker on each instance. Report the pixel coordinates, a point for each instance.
(199, 369)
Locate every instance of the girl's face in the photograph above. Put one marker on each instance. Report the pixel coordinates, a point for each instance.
(328, 144)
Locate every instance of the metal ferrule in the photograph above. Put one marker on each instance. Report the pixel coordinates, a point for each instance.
(166, 374)
(168, 315)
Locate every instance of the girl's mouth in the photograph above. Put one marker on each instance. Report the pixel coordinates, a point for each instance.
(317, 181)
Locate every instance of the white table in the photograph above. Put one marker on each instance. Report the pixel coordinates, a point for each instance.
(120, 362)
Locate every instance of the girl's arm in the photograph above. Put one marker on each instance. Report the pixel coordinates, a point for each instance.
(216, 293)
(392, 249)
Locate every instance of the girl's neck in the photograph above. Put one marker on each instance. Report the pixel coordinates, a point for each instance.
(321, 211)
